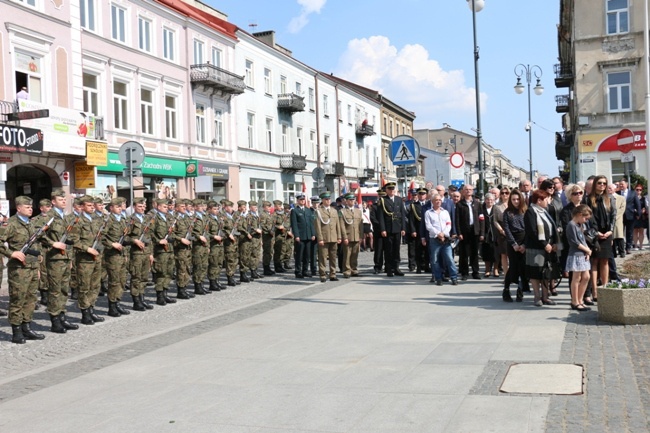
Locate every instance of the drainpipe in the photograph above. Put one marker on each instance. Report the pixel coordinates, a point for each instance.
(317, 105)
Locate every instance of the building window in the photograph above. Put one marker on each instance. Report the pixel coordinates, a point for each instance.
(118, 23)
(299, 140)
(200, 123)
(312, 144)
(87, 11)
(311, 99)
(283, 84)
(250, 122)
(29, 2)
(619, 91)
(326, 146)
(350, 153)
(144, 34)
(168, 44)
(216, 57)
(262, 189)
(326, 111)
(439, 142)
(340, 111)
(298, 88)
(120, 105)
(268, 85)
(390, 127)
(146, 111)
(198, 52)
(285, 139)
(290, 190)
(218, 128)
(617, 17)
(349, 114)
(28, 74)
(618, 169)
(91, 93)
(269, 134)
(248, 78)
(171, 117)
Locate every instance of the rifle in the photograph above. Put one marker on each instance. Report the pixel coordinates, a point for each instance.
(68, 229)
(26, 249)
(146, 228)
(126, 231)
(234, 231)
(97, 246)
(188, 234)
(169, 232)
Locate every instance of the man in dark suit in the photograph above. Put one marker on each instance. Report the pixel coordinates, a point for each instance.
(392, 226)
(376, 232)
(470, 227)
(302, 226)
(632, 211)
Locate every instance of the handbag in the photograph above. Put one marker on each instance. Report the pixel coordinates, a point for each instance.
(591, 236)
(547, 270)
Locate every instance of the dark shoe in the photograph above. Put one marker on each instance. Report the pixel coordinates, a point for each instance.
(323, 279)
(389, 274)
(85, 317)
(418, 271)
(17, 336)
(44, 298)
(231, 282)
(219, 286)
(476, 276)
(587, 302)
(94, 316)
(243, 277)
(346, 276)
(267, 271)
(57, 326)
(160, 298)
(581, 307)
(300, 276)
(506, 295)
(67, 325)
(279, 269)
(213, 286)
(411, 268)
(146, 304)
(112, 310)
(29, 334)
(121, 309)
(198, 289)
(74, 294)
(463, 277)
(256, 274)
(287, 266)
(398, 273)
(445, 279)
(182, 293)
(307, 275)
(454, 282)
(137, 303)
(520, 295)
(333, 279)
(438, 282)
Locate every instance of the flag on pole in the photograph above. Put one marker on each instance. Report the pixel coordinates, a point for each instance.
(359, 196)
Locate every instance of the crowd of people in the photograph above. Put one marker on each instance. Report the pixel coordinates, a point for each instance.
(530, 237)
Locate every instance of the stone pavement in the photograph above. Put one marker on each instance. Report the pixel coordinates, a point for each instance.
(362, 355)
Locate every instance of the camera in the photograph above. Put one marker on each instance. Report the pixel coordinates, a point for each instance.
(527, 127)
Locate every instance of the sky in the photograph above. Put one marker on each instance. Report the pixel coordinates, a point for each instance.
(420, 54)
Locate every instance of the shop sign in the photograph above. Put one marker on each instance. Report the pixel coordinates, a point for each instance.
(84, 175)
(191, 168)
(150, 167)
(6, 157)
(22, 140)
(96, 153)
(215, 170)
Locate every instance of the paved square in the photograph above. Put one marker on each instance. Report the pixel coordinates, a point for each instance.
(563, 379)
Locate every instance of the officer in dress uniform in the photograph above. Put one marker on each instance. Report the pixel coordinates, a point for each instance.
(328, 232)
(378, 257)
(414, 223)
(302, 227)
(392, 226)
(351, 221)
(411, 240)
(313, 250)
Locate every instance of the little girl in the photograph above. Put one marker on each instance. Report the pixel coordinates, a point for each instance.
(578, 258)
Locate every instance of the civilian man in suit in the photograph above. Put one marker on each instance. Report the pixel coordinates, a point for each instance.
(470, 226)
(392, 226)
(302, 226)
(632, 211)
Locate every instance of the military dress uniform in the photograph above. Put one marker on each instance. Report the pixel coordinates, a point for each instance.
(140, 258)
(268, 230)
(378, 240)
(392, 222)
(115, 233)
(163, 255)
(313, 249)
(419, 253)
(328, 232)
(302, 227)
(351, 221)
(200, 249)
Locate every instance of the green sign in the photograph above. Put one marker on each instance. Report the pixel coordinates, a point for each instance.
(150, 167)
(191, 168)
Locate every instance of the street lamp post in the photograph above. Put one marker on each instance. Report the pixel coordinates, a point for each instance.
(477, 6)
(529, 71)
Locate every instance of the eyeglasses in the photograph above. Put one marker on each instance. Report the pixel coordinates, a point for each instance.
(577, 193)
(505, 192)
(639, 189)
(601, 183)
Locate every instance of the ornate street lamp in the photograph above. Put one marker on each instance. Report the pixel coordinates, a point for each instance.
(529, 72)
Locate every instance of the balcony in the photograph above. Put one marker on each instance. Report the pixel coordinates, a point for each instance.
(336, 169)
(563, 74)
(563, 144)
(562, 103)
(365, 173)
(365, 130)
(291, 103)
(217, 79)
(293, 162)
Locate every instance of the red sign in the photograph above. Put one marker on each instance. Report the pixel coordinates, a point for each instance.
(457, 160)
(610, 144)
(66, 176)
(625, 140)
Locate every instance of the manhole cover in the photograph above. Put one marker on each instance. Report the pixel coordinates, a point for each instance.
(564, 379)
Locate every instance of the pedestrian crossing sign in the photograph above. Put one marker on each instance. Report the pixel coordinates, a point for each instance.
(404, 150)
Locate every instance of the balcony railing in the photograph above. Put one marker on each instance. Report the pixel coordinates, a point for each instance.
(563, 74)
(562, 103)
(337, 169)
(291, 102)
(219, 79)
(365, 173)
(293, 162)
(365, 130)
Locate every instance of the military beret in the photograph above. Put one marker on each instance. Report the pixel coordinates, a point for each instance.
(223, 200)
(227, 203)
(160, 201)
(139, 200)
(241, 203)
(121, 199)
(390, 185)
(423, 191)
(266, 203)
(86, 199)
(58, 192)
(252, 203)
(198, 202)
(349, 196)
(287, 206)
(45, 202)
(277, 202)
(187, 202)
(99, 200)
(76, 201)
(23, 200)
(116, 202)
(212, 204)
(326, 195)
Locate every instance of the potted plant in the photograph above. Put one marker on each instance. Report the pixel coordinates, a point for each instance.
(626, 302)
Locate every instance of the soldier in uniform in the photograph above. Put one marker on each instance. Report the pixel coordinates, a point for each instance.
(279, 235)
(45, 206)
(87, 256)
(231, 255)
(141, 254)
(58, 257)
(255, 229)
(313, 249)
(268, 229)
(392, 226)
(200, 248)
(182, 249)
(302, 227)
(22, 272)
(114, 237)
(100, 212)
(74, 281)
(244, 244)
(216, 237)
(287, 239)
(328, 232)
(351, 222)
(414, 223)
(163, 251)
(378, 257)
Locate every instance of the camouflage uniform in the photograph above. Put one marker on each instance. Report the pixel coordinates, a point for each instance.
(200, 250)
(182, 254)
(231, 253)
(280, 220)
(163, 255)
(139, 262)
(244, 242)
(266, 222)
(287, 239)
(215, 260)
(39, 221)
(253, 222)
(115, 232)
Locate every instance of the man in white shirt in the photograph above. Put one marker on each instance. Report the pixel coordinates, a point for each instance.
(438, 224)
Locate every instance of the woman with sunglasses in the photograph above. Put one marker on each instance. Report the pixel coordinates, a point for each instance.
(603, 219)
(513, 226)
(640, 224)
(501, 247)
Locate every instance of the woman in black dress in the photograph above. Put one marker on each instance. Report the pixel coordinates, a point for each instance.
(487, 246)
(515, 231)
(603, 220)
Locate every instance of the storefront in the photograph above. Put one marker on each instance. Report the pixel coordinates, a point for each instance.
(599, 153)
(210, 180)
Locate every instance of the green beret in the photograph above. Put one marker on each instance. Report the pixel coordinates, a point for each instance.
(99, 200)
(252, 203)
(227, 202)
(223, 200)
(121, 199)
(116, 202)
(186, 202)
(45, 202)
(198, 202)
(266, 203)
(287, 206)
(212, 204)
(23, 200)
(325, 195)
(77, 201)
(139, 200)
(160, 201)
(277, 202)
(241, 203)
(86, 199)
(349, 196)
(58, 192)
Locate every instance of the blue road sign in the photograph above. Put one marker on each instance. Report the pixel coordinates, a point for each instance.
(457, 182)
(404, 150)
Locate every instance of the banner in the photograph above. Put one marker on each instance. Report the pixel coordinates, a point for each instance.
(21, 140)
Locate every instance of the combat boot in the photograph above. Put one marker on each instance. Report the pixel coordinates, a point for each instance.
(198, 289)
(182, 293)
(218, 285)
(17, 335)
(74, 294)
(120, 309)
(167, 298)
(112, 309)
(267, 271)
(86, 319)
(57, 326)
(231, 282)
(137, 303)
(29, 334)
(213, 286)
(244, 278)
(94, 316)
(287, 266)
(146, 304)
(160, 298)
(44, 298)
(256, 275)
(67, 325)
(278, 268)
